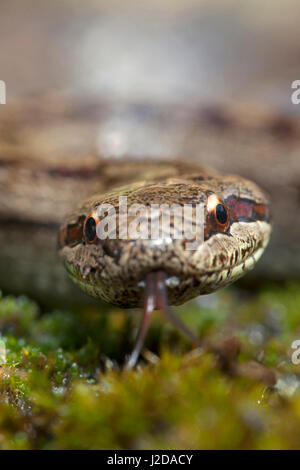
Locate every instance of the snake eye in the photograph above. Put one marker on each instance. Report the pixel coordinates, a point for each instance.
(221, 214)
(218, 214)
(90, 229)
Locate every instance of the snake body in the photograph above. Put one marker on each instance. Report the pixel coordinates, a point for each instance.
(115, 270)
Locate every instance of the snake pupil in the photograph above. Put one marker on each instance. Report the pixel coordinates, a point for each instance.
(221, 214)
(90, 229)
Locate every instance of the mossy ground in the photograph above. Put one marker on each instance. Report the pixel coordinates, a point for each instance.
(62, 385)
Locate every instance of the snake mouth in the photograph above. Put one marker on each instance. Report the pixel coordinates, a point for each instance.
(156, 298)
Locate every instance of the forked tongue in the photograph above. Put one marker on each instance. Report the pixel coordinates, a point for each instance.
(156, 298)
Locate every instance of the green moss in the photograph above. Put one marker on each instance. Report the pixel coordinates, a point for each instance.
(62, 384)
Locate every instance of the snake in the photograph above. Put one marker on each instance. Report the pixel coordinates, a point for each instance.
(50, 179)
(157, 273)
(49, 162)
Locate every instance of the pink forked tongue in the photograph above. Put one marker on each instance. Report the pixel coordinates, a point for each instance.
(156, 298)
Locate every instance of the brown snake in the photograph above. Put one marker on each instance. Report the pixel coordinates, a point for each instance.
(132, 272)
(48, 163)
(45, 170)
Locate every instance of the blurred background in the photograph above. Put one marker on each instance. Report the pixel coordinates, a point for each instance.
(186, 52)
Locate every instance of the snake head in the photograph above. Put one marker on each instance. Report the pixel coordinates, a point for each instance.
(111, 261)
